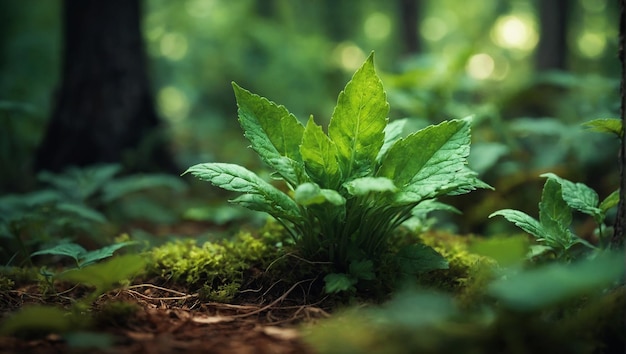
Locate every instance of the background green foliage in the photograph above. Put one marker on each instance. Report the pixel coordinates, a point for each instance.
(475, 59)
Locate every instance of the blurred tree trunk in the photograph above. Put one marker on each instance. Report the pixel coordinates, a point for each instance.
(620, 222)
(553, 19)
(104, 108)
(410, 14)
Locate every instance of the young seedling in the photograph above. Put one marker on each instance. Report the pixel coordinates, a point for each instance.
(552, 230)
(348, 189)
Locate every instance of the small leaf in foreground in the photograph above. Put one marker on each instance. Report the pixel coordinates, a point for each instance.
(507, 251)
(65, 249)
(37, 318)
(541, 287)
(104, 276)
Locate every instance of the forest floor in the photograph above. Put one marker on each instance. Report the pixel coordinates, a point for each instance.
(164, 320)
(163, 323)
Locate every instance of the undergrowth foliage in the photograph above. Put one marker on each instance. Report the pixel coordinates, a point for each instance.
(348, 189)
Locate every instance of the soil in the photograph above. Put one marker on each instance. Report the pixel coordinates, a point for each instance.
(169, 321)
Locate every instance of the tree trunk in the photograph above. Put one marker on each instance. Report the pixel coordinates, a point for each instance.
(104, 106)
(552, 49)
(409, 13)
(620, 223)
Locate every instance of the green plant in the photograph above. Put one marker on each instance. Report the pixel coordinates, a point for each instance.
(348, 189)
(552, 230)
(77, 202)
(81, 256)
(99, 276)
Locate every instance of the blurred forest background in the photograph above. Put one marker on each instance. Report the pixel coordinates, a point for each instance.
(530, 71)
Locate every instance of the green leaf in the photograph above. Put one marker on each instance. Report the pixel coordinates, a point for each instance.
(411, 309)
(82, 211)
(610, 201)
(606, 125)
(578, 196)
(336, 282)
(37, 318)
(260, 196)
(506, 251)
(320, 156)
(393, 133)
(104, 276)
(358, 122)
(275, 134)
(66, 249)
(539, 288)
(310, 193)
(419, 258)
(431, 162)
(523, 221)
(102, 253)
(124, 186)
(555, 216)
(363, 269)
(365, 185)
(428, 205)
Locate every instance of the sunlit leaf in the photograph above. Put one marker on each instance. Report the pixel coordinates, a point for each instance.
(275, 133)
(358, 122)
(606, 125)
(393, 132)
(320, 156)
(437, 167)
(310, 194)
(235, 178)
(365, 185)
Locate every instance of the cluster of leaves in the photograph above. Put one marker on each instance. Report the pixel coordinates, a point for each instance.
(552, 230)
(73, 205)
(90, 271)
(351, 188)
(559, 198)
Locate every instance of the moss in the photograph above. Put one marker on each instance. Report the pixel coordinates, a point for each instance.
(216, 268)
(468, 273)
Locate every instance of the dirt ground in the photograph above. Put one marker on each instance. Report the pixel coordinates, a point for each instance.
(169, 321)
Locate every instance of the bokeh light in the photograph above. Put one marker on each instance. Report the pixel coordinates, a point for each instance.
(377, 26)
(349, 56)
(433, 28)
(515, 32)
(173, 46)
(480, 66)
(173, 103)
(591, 45)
